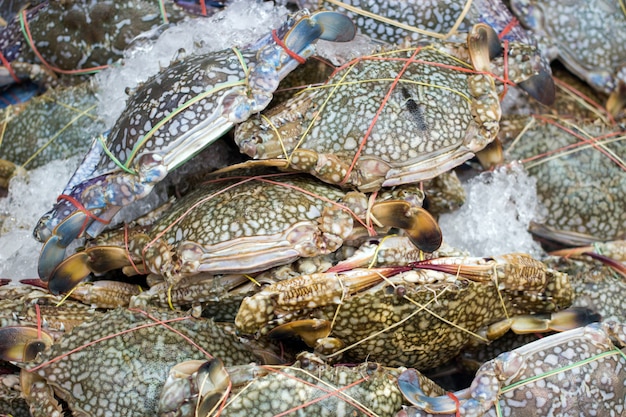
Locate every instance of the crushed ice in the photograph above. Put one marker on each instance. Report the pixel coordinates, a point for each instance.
(495, 217)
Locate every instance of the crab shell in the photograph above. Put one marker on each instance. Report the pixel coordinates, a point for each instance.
(79, 35)
(590, 41)
(417, 318)
(309, 386)
(580, 369)
(394, 20)
(133, 349)
(579, 185)
(425, 113)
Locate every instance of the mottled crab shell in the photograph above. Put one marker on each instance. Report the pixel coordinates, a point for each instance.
(577, 372)
(245, 225)
(324, 390)
(393, 20)
(588, 36)
(81, 34)
(404, 116)
(581, 186)
(123, 375)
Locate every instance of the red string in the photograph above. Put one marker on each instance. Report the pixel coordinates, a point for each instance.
(82, 208)
(291, 53)
(7, 65)
(52, 68)
(514, 22)
(203, 7)
(456, 402)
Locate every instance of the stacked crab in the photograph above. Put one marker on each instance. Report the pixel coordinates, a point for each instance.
(326, 240)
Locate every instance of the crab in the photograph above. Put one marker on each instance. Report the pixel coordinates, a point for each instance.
(589, 37)
(408, 317)
(580, 370)
(597, 275)
(309, 386)
(132, 349)
(171, 117)
(54, 38)
(580, 175)
(393, 21)
(247, 225)
(406, 97)
(31, 138)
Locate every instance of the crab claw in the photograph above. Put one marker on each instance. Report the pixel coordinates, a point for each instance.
(71, 271)
(309, 330)
(213, 382)
(208, 381)
(540, 87)
(410, 383)
(22, 344)
(483, 45)
(331, 26)
(53, 251)
(419, 225)
(617, 98)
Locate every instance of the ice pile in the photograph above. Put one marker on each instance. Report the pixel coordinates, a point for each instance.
(30, 195)
(495, 217)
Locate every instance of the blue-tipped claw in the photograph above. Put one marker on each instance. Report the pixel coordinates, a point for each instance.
(336, 27)
(409, 384)
(540, 87)
(53, 251)
(330, 26)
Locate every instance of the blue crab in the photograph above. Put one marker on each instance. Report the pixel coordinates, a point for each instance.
(589, 37)
(54, 38)
(117, 363)
(308, 387)
(580, 371)
(427, 112)
(171, 117)
(406, 317)
(30, 138)
(246, 225)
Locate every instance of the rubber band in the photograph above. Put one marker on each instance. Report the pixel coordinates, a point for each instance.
(456, 402)
(130, 259)
(203, 7)
(82, 209)
(514, 22)
(289, 52)
(163, 12)
(31, 44)
(9, 68)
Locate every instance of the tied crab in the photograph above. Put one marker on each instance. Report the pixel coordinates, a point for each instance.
(421, 315)
(240, 226)
(581, 371)
(589, 37)
(427, 112)
(129, 348)
(309, 387)
(57, 38)
(171, 117)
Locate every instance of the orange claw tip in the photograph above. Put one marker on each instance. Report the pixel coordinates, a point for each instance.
(22, 343)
